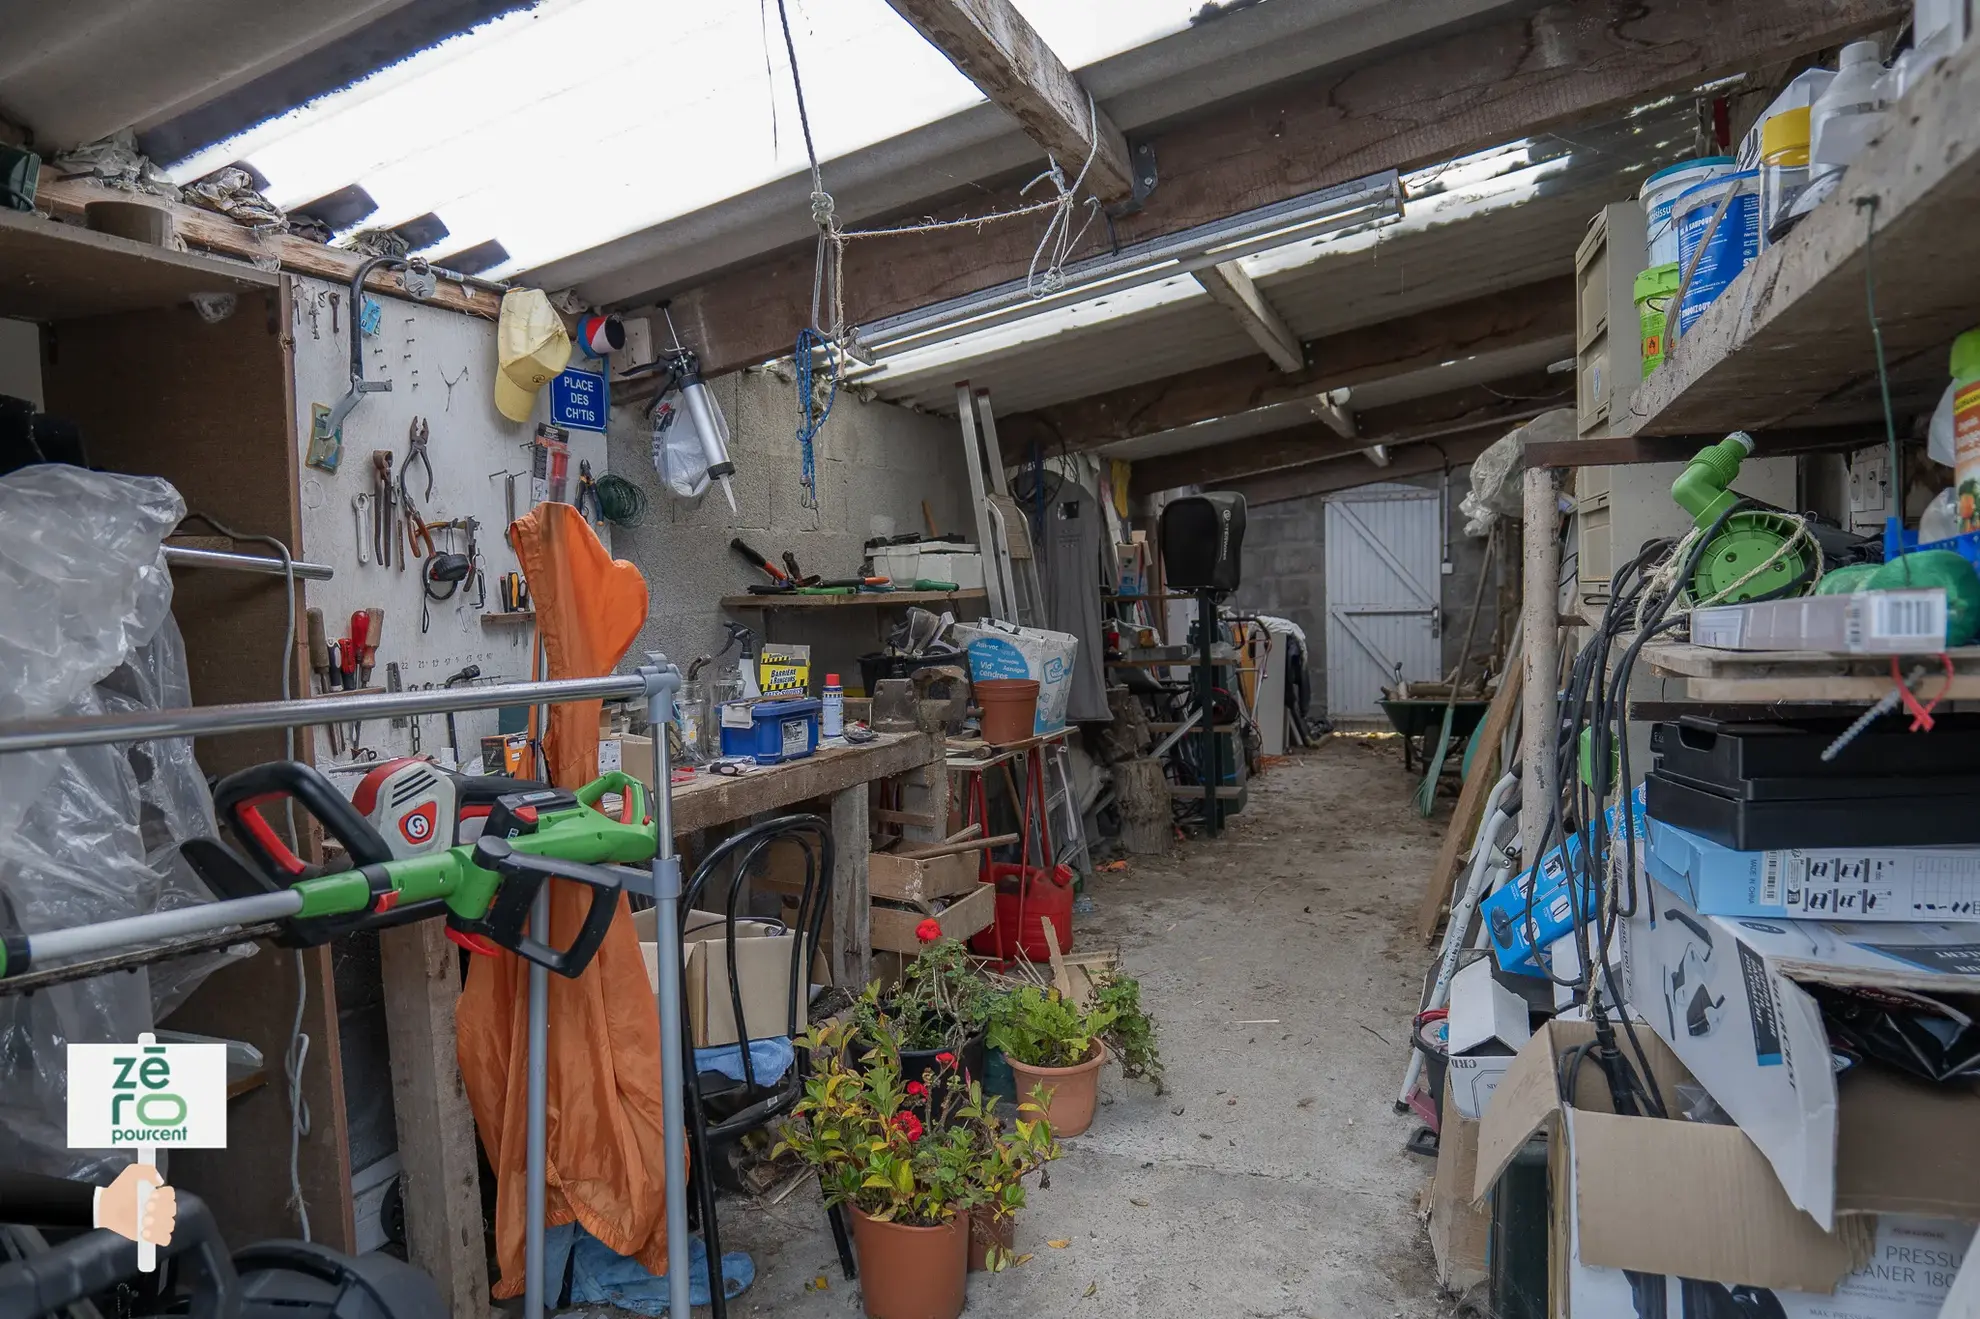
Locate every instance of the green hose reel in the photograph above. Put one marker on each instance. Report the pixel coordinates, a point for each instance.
(1747, 539)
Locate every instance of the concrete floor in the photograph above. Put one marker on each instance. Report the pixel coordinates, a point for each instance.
(1270, 1180)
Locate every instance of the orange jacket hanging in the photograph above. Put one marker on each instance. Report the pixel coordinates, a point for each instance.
(605, 1143)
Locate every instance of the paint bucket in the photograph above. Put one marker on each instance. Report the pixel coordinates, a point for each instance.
(1734, 245)
(1655, 288)
(1661, 189)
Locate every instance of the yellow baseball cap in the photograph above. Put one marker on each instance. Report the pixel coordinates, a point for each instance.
(531, 349)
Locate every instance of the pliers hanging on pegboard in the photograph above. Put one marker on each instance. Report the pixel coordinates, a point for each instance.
(587, 494)
(416, 437)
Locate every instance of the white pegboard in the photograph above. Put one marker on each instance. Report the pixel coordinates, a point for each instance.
(419, 349)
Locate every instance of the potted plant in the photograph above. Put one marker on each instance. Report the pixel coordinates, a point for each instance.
(1130, 1037)
(1050, 1043)
(910, 1186)
(940, 1006)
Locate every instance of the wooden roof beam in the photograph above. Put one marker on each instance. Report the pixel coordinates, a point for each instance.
(1496, 408)
(1414, 104)
(1497, 321)
(1232, 289)
(1335, 474)
(998, 50)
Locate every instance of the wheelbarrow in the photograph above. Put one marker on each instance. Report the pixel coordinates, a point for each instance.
(1420, 719)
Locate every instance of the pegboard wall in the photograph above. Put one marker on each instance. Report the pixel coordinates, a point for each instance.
(442, 368)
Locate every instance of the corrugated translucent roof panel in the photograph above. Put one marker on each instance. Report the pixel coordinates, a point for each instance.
(556, 129)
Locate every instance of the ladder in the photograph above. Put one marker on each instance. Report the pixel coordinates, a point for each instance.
(1068, 846)
(1010, 564)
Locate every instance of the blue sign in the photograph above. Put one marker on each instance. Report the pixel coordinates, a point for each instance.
(578, 400)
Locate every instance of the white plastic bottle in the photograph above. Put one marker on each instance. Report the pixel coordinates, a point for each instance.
(833, 717)
(1843, 120)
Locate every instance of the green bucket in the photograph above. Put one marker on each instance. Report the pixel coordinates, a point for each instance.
(1655, 288)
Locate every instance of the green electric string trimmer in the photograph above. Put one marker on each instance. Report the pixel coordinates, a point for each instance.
(1742, 538)
(482, 889)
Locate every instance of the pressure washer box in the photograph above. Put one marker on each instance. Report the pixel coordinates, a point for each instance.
(1728, 995)
(1670, 1200)
(1820, 883)
(1867, 623)
(1001, 650)
(1515, 937)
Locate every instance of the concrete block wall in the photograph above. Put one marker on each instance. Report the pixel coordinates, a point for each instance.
(873, 459)
(1285, 574)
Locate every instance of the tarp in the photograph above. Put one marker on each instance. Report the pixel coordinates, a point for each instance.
(605, 1139)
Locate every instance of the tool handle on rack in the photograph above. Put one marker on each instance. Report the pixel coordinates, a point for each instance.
(239, 797)
(523, 874)
(319, 645)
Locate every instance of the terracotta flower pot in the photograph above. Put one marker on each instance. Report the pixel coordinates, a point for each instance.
(1071, 1092)
(1010, 709)
(986, 1229)
(911, 1272)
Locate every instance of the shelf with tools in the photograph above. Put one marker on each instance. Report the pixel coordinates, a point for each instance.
(1789, 343)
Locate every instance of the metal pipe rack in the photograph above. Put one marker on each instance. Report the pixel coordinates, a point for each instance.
(657, 681)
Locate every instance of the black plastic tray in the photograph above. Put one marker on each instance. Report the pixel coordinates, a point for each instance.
(1711, 752)
(1749, 825)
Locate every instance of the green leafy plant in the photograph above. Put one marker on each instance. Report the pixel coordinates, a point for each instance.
(940, 1003)
(1038, 1028)
(1131, 1036)
(873, 1150)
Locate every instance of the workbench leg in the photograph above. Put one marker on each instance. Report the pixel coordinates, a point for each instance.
(925, 792)
(852, 939)
(421, 972)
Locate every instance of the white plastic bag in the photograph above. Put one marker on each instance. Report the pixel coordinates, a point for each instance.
(677, 453)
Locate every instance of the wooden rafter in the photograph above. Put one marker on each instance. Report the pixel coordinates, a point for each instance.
(1494, 408)
(1232, 289)
(998, 50)
(1346, 473)
(1416, 104)
(1525, 315)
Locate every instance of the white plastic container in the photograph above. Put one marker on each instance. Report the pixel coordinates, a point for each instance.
(1661, 190)
(1848, 114)
(1778, 145)
(940, 561)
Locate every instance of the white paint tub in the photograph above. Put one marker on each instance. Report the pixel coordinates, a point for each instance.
(1734, 244)
(1661, 190)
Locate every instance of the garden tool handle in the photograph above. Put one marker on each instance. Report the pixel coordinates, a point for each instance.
(523, 873)
(238, 798)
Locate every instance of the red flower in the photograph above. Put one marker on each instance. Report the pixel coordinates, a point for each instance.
(908, 1125)
(946, 1059)
(929, 930)
(917, 1089)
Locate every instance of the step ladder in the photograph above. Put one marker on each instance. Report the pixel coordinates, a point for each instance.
(1068, 843)
(1003, 533)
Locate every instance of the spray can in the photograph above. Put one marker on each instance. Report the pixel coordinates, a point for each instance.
(834, 716)
(1966, 428)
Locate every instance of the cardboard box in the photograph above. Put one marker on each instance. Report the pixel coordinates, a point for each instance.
(1487, 1025)
(1726, 994)
(921, 882)
(1866, 623)
(630, 753)
(1675, 1200)
(1460, 1229)
(1820, 883)
(763, 972)
(892, 929)
(1003, 650)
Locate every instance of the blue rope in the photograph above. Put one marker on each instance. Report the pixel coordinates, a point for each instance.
(808, 341)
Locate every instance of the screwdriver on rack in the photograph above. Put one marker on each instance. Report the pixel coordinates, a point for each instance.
(319, 650)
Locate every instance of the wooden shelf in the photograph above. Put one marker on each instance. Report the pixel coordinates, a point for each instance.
(494, 616)
(864, 599)
(52, 272)
(1789, 344)
(1804, 675)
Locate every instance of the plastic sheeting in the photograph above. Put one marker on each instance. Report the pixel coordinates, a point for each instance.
(88, 833)
(1495, 473)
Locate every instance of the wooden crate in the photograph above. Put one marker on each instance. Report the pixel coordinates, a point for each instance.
(894, 928)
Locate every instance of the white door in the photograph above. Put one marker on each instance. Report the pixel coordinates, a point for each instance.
(1382, 596)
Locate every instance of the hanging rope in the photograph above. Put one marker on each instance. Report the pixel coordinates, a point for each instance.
(811, 417)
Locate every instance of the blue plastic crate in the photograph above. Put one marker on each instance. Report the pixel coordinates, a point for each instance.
(778, 731)
(1899, 541)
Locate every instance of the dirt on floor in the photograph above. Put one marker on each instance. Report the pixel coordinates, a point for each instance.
(1270, 1179)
